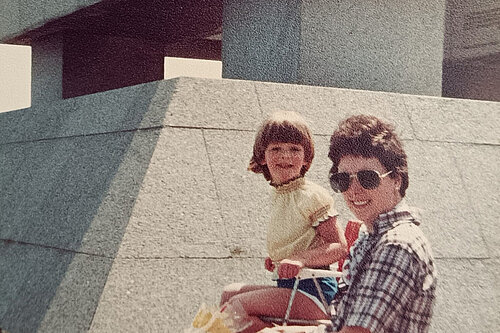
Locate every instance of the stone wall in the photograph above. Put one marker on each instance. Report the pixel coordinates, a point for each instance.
(127, 209)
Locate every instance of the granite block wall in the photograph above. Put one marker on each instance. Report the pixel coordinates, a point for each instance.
(129, 208)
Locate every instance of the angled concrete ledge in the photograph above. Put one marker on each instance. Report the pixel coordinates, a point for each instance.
(131, 207)
(19, 16)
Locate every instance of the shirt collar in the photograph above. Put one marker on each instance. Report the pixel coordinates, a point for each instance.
(401, 213)
(289, 186)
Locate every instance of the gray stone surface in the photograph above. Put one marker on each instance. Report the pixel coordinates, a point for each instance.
(264, 33)
(47, 69)
(130, 108)
(477, 78)
(163, 295)
(73, 305)
(48, 289)
(471, 29)
(437, 188)
(222, 104)
(392, 46)
(177, 212)
(61, 186)
(319, 104)
(468, 297)
(459, 120)
(132, 207)
(479, 175)
(18, 16)
(396, 46)
(10, 22)
(245, 224)
(472, 50)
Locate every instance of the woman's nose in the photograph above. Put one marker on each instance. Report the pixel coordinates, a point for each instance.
(355, 186)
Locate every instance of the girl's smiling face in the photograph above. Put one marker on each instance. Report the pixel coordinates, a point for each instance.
(284, 161)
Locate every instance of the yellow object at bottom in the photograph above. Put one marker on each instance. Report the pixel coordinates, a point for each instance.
(210, 320)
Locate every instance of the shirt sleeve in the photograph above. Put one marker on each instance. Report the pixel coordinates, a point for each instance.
(320, 208)
(387, 286)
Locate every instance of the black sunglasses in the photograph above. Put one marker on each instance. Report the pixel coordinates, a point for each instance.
(369, 179)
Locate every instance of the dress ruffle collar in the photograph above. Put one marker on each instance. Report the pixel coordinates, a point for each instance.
(289, 186)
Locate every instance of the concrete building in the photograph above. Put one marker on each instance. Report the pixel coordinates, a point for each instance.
(125, 209)
(448, 48)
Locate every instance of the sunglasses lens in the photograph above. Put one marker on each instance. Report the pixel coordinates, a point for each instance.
(340, 181)
(369, 179)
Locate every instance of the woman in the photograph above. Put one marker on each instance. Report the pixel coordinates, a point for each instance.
(390, 270)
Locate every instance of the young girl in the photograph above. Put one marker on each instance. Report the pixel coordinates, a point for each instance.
(302, 231)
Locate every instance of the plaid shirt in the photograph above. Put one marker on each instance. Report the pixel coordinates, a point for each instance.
(392, 278)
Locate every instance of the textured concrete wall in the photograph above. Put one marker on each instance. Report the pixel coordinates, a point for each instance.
(47, 69)
(472, 50)
(131, 207)
(477, 78)
(70, 173)
(394, 46)
(262, 40)
(18, 16)
(471, 29)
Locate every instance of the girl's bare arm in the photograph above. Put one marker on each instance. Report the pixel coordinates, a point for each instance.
(333, 249)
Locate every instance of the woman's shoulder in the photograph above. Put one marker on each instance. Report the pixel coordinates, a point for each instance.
(408, 237)
(407, 232)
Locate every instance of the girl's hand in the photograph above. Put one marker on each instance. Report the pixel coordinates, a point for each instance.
(289, 268)
(269, 264)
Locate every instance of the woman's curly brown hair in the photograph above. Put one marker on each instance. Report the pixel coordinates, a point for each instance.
(368, 136)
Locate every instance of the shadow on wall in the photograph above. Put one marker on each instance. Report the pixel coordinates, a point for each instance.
(477, 78)
(69, 176)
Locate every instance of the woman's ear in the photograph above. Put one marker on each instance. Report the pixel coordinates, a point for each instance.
(397, 181)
